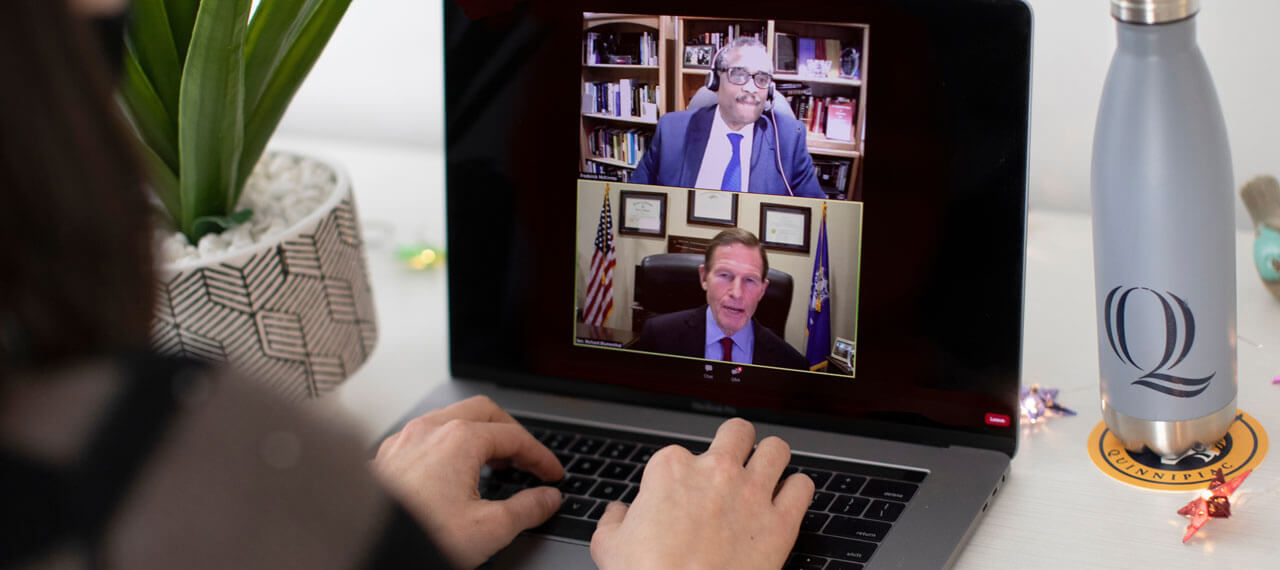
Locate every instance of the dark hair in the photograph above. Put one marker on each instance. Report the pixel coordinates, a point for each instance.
(75, 265)
(721, 61)
(739, 236)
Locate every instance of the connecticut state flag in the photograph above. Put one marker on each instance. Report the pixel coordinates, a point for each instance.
(819, 324)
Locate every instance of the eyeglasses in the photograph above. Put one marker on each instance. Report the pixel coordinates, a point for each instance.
(739, 76)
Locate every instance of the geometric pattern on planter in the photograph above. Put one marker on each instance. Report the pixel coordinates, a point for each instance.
(298, 316)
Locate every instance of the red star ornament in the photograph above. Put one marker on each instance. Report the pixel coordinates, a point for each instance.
(1214, 503)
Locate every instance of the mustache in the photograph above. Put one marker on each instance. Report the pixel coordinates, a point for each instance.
(747, 98)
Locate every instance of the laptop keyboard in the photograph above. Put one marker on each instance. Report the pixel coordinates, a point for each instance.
(854, 504)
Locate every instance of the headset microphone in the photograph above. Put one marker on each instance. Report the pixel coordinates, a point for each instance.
(777, 150)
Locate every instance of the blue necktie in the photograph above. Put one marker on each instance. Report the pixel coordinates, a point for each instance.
(733, 172)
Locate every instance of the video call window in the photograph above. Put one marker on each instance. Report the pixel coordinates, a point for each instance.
(801, 85)
(644, 282)
(739, 137)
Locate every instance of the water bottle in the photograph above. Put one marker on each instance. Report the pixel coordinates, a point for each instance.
(1163, 237)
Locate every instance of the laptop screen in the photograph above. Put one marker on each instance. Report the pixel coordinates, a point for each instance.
(811, 213)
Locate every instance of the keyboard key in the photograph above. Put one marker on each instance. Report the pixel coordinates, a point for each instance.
(564, 458)
(576, 506)
(813, 521)
(842, 565)
(885, 511)
(538, 434)
(598, 512)
(513, 476)
(835, 547)
(489, 489)
(558, 441)
(585, 466)
(819, 476)
(848, 484)
(849, 506)
(617, 470)
(577, 529)
(608, 490)
(635, 477)
(857, 528)
(821, 500)
(505, 492)
(630, 495)
(576, 485)
(805, 562)
(643, 453)
(620, 450)
(892, 490)
(587, 446)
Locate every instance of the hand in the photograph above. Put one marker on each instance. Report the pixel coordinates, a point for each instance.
(708, 511)
(433, 466)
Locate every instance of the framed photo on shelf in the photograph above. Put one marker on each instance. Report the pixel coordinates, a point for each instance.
(785, 228)
(699, 56)
(643, 213)
(713, 208)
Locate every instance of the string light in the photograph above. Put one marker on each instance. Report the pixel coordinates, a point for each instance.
(420, 257)
(1036, 404)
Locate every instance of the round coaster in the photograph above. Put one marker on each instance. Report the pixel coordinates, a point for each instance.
(1243, 448)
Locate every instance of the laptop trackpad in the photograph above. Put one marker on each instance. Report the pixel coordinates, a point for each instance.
(540, 552)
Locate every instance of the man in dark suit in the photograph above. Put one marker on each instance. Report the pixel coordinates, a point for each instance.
(733, 145)
(732, 274)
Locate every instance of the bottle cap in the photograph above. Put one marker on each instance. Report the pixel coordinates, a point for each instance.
(1153, 11)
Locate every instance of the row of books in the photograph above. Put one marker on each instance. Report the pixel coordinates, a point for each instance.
(622, 48)
(623, 98)
(814, 57)
(721, 39)
(623, 145)
(831, 117)
(833, 176)
(602, 171)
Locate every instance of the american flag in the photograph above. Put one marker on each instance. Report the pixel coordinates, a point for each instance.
(600, 279)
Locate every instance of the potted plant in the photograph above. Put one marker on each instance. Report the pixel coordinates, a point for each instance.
(262, 264)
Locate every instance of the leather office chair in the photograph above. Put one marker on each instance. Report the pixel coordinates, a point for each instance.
(668, 282)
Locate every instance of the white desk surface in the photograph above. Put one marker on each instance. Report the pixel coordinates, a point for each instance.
(1056, 511)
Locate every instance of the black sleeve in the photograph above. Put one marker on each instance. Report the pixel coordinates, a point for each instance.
(405, 545)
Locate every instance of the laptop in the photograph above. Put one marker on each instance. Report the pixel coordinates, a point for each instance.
(914, 115)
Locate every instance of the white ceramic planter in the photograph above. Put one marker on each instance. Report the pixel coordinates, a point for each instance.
(295, 310)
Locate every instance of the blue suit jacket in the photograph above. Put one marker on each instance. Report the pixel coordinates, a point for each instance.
(675, 154)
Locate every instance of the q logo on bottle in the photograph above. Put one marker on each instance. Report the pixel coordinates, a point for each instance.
(1177, 323)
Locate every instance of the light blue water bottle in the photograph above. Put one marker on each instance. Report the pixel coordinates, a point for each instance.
(1163, 237)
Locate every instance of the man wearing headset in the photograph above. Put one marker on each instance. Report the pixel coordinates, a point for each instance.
(733, 145)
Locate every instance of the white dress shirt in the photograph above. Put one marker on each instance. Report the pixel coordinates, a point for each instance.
(719, 151)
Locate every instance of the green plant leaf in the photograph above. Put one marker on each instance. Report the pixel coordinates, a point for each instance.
(282, 84)
(142, 106)
(211, 113)
(272, 30)
(218, 224)
(163, 182)
(182, 17)
(153, 46)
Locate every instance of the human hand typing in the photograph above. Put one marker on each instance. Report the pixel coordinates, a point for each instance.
(433, 466)
(709, 510)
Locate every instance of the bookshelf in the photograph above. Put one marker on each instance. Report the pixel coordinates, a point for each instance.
(624, 89)
(841, 93)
